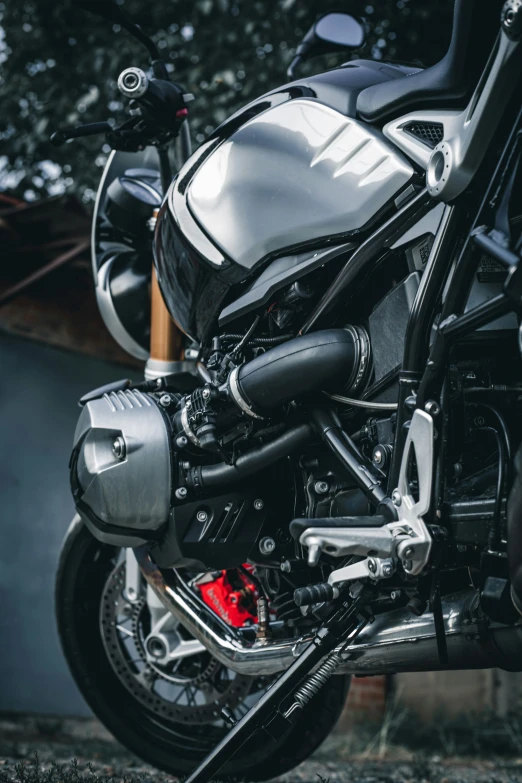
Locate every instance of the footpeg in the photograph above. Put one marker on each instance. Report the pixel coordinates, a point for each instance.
(384, 544)
(315, 594)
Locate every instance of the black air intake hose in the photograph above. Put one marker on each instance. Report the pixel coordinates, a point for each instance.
(206, 476)
(315, 361)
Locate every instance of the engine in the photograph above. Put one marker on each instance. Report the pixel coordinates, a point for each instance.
(198, 472)
(209, 470)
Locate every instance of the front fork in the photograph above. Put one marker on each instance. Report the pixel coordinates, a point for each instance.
(167, 350)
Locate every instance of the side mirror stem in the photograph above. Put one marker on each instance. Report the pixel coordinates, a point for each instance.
(290, 72)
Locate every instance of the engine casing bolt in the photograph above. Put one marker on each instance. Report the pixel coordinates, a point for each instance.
(165, 400)
(259, 504)
(181, 493)
(181, 442)
(202, 516)
(267, 545)
(408, 552)
(396, 497)
(321, 487)
(206, 393)
(119, 448)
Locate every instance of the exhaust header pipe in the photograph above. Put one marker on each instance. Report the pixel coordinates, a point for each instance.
(396, 641)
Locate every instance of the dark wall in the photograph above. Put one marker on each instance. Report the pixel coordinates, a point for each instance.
(39, 389)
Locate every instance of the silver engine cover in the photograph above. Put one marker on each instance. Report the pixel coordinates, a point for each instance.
(121, 468)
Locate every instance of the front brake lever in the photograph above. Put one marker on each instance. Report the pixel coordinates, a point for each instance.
(91, 129)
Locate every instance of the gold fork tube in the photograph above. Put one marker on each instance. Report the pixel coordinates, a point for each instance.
(166, 340)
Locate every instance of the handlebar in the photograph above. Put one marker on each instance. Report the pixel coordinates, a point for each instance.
(160, 109)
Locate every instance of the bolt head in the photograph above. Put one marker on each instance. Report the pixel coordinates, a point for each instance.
(119, 448)
(130, 80)
(267, 545)
(395, 595)
(372, 566)
(396, 497)
(181, 493)
(202, 516)
(387, 570)
(408, 552)
(378, 457)
(206, 393)
(432, 407)
(181, 442)
(165, 400)
(321, 487)
(410, 402)
(258, 504)
(156, 648)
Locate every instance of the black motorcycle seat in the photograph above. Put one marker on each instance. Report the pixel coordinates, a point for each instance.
(298, 526)
(449, 83)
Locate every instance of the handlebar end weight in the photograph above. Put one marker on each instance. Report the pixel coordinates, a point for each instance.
(58, 138)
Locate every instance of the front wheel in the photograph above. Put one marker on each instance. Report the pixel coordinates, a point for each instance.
(169, 713)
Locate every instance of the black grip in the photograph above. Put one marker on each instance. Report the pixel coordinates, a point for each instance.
(314, 594)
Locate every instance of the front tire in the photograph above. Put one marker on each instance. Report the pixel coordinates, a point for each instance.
(84, 568)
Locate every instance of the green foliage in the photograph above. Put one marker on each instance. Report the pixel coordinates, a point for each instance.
(60, 67)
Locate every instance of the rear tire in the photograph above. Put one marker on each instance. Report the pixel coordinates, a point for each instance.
(84, 567)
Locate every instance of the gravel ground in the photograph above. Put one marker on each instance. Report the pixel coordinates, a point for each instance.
(44, 750)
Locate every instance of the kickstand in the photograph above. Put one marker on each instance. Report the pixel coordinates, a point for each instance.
(438, 619)
(278, 708)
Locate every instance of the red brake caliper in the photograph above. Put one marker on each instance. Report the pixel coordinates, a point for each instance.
(231, 595)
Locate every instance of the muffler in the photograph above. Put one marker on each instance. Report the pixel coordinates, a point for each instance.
(397, 641)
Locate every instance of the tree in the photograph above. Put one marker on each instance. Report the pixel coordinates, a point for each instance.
(60, 67)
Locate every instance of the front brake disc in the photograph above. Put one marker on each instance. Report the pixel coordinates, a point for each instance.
(192, 690)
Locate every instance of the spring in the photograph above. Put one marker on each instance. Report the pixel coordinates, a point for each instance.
(315, 682)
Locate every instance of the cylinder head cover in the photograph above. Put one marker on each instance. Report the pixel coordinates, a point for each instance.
(121, 467)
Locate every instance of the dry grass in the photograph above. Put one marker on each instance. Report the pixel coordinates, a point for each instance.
(39, 750)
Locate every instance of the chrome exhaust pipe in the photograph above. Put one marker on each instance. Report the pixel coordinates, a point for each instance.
(396, 641)
(221, 640)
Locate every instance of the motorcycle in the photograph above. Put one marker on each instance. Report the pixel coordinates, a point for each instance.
(318, 476)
